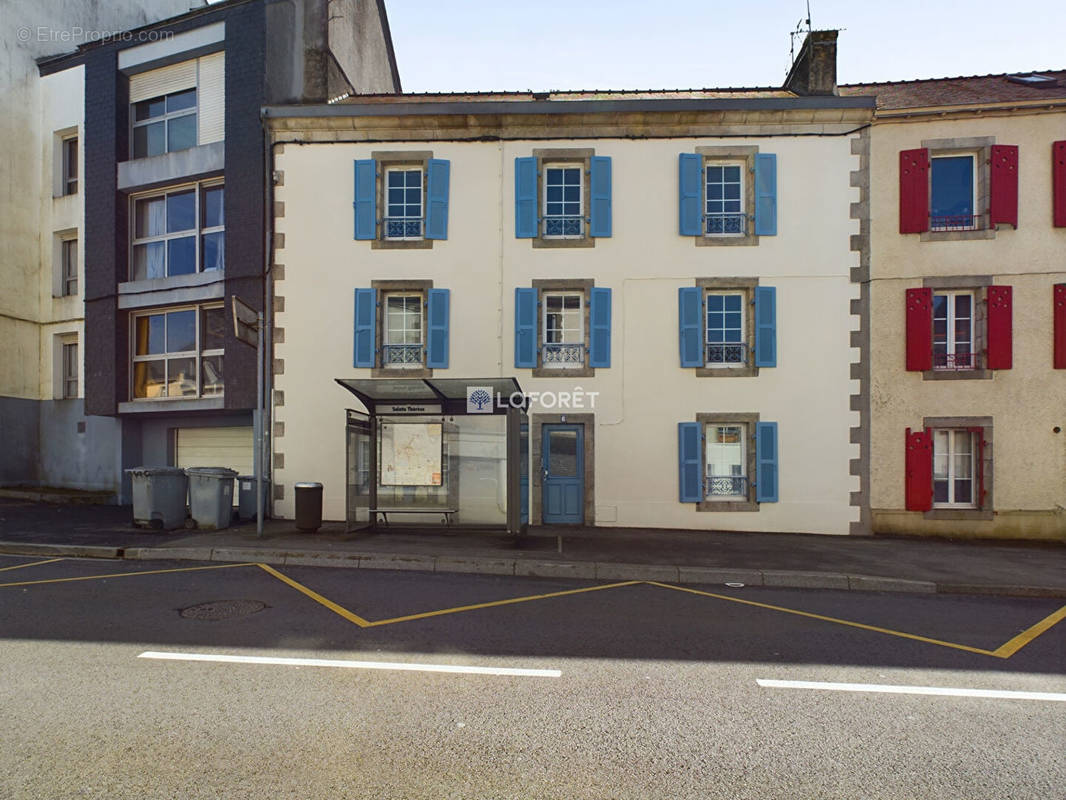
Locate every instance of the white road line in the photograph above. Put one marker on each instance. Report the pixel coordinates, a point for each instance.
(326, 662)
(937, 690)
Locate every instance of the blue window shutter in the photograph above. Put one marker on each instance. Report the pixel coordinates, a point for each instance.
(438, 303)
(690, 325)
(600, 194)
(600, 333)
(525, 328)
(766, 462)
(366, 193)
(525, 198)
(366, 303)
(437, 179)
(689, 462)
(765, 326)
(765, 194)
(690, 188)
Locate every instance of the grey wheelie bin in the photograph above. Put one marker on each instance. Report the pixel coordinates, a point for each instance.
(246, 496)
(211, 496)
(158, 497)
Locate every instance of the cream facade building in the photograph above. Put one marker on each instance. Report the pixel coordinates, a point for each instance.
(672, 274)
(967, 306)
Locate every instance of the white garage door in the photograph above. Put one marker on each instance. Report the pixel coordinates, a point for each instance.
(215, 447)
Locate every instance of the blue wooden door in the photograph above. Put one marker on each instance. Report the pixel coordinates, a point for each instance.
(563, 470)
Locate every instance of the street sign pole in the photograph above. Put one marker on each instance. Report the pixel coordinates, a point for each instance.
(259, 351)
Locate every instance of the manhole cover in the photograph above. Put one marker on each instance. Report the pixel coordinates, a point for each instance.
(222, 609)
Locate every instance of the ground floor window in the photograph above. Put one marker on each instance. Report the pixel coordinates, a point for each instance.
(954, 468)
(726, 462)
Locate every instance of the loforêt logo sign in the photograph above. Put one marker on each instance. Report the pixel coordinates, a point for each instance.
(478, 399)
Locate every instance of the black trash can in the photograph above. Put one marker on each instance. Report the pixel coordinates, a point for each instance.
(308, 506)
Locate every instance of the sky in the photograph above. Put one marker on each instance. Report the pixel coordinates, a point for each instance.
(481, 45)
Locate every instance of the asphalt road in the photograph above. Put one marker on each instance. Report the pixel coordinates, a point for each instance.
(645, 691)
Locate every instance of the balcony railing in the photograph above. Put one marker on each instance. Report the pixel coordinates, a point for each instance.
(400, 228)
(728, 486)
(727, 353)
(954, 362)
(564, 226)
(402, 355)
(563, 355)
(725, 224)
(955, 222)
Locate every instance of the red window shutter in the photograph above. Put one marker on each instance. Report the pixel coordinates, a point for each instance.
(999, 327)
(914, 190)
(1058, 182)
(919, 470)
(919, 329)
(1059, 312)
(1003, 206)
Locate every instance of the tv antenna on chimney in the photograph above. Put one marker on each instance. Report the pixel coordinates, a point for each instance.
(800, 30)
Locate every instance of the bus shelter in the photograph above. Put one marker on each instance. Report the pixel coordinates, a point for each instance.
(437, 451)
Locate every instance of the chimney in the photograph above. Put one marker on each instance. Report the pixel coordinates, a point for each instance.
(814, 71)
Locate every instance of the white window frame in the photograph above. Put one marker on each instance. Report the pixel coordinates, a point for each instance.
(742, 213)
(405, 220)
(387, 332)
(68, 182)
(951, 363)
(198, 354)
(165, 119)
(197, 232)
(951, 474)
(69, 369)
(975, 215)
(68, 267)
(580, 201)
(571, 354)
(734, 495)
(743, 345)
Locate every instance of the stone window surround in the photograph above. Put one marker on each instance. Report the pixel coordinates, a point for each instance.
(543, 285)
(384, 159)
(978, 284)
(982, 147)
(565, 155)
(712, 155)
(747, 286)
(749, 419)
(383, 288)
(984, 510)
(536, 433)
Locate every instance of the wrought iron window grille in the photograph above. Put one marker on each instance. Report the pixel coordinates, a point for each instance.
(956, 222)
(401, 355)
(725, 224)
(403, 227)
(564, 226)
(957, 362)
(727, 353)
(725, 486)
(560, 354)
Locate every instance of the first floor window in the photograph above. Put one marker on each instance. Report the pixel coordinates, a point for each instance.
(724, 209)
(178, 353)
(952, 198)
(403, 330)
(564, 330)
(403, 203)
(726, 461)
(70, 165)
(563, 202)
(164, 124)
(725, 329)
(954, 468)
(70, 370)
(953, 331)
(69, 258)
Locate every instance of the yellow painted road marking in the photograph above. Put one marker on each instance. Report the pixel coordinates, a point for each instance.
(1022, 639)
(31, 564)
(336, 609)
(494, 603)
(849, 623)
(123, 575)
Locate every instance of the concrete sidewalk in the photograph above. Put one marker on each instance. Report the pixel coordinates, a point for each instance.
(696, 557)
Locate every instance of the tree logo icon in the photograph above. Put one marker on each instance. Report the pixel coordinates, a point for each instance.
(478, 400)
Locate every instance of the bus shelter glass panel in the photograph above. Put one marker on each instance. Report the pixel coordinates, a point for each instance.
(358, 458)
(456, 464)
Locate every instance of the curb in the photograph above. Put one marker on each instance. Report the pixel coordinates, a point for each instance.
(588, 570)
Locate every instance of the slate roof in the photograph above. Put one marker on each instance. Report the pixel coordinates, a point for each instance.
(971, 90)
